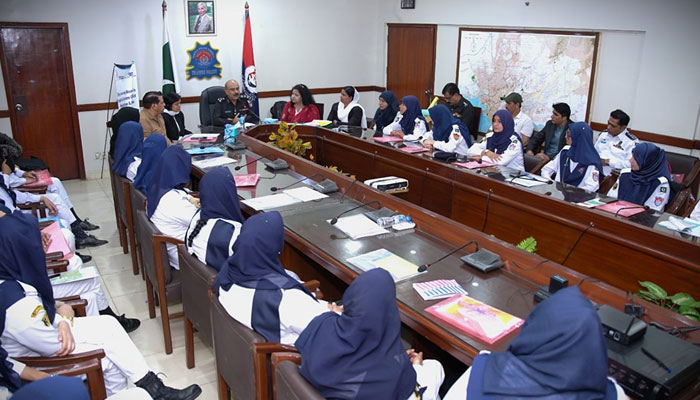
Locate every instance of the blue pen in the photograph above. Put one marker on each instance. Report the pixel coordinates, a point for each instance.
(658, 361)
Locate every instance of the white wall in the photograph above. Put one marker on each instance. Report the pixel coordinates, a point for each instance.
(652, 44)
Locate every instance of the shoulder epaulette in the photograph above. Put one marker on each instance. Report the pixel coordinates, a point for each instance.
(631, 136)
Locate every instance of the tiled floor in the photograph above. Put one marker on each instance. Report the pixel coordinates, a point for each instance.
(127, 294)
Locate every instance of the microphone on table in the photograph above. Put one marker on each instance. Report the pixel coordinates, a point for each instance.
(335, 219)
(646, 208)
(425, 267)
(275, 188)
(248, 109)
(250, 162)
(346, 190)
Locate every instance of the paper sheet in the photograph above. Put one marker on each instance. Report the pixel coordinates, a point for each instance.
(271, 201)
(682, 225)
(75, 275)
(213, 162)
(305, 194)
(381, 258)
(527, 182)
(358, 226)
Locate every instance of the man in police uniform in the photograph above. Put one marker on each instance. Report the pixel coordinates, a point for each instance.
(615, 144)
(461, 108)
(229, 109)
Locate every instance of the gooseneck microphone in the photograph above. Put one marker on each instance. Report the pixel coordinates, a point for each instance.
(425, 267)
(250, 162)
(335, 219)
(275, 188)
(346, 190)
(646, 208)
(248, 109)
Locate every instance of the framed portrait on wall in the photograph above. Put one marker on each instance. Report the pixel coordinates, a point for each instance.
(201, 18)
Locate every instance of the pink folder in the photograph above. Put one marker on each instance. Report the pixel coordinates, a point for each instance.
(58, 241)
(413, 149)
(616, 207)
(387, 139)
(44, 179)
(246, 180)
(473, 164)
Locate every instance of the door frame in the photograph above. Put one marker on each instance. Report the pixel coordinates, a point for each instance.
(433, 57)
(63, 26)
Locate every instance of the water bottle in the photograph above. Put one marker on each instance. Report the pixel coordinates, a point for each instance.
(386, 222)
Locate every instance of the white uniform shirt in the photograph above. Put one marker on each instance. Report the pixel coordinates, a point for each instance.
(512, 157)
(523, 124)
(133, 169)
(172, 217)
(296, 310)
(658, 199)
(590, 181)
(696, 212)
(201, 241)
(419, 129)
(616, 149)
(456, 142)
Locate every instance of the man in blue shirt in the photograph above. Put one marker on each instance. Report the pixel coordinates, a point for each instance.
(552, 137)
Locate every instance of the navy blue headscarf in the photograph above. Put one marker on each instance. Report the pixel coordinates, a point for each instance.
(413, 111)
(582, 151)
(129, 145)
(443, 120)
(499, 142)
(359, 355)
(255, 264)
(386, 116)
(637, 186)
(172, 172)
(54, 388)
(153, 148)
(10, 293)
(560, 352)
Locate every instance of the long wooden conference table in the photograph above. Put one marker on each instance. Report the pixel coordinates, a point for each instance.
(617, 250)
(317, 250)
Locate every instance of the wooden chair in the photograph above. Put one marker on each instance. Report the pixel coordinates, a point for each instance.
(154, 257)
(242, 356)
(679, 204)
(138, 202)
(33, 189)
(121, 212)
(77, 364)
(287, 382)
(689, 209)
(533, 164)
(607, 183)
(197, 281)
(115, 200)
(127, 187)
(687, 165)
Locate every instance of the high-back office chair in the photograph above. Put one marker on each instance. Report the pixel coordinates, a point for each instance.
(197, 281)
(207, 103)
(287, 382)
(474, 129)
(276, 109)
(533, 164)
(154, 257)
(688, 166)
(242, 356)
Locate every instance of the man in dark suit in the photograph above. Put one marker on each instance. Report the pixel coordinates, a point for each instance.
(553, 136)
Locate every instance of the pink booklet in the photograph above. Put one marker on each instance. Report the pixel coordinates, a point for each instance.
(246, 180)
(44, 179)
(623, 208)
(413, 149)
(387, 139)
(473, 164)
(58, 241)
(475, 318)
(202, 138)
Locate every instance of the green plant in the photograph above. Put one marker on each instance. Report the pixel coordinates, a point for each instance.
(528, 244)
(287, 138)
(682, 303)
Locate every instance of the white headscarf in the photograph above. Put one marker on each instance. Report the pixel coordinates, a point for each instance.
(344, 111)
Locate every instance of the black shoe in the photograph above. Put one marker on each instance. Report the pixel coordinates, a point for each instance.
(87, 225)
(129, 324)
(84, 258)
(158, 391)
(88, 241)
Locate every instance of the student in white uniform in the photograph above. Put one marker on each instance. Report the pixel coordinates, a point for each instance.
(128, 149)
(359, 354)
(647, 182)
(560, 353)
(695, 214)
(578, 163)
(168, 204)
(449, 133)
(217, 224)
(616, 143)
(409, 123)
(34, 326)
(503, 146)
(256, 291)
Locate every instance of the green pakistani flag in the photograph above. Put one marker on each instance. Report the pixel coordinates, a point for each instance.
(170, 84)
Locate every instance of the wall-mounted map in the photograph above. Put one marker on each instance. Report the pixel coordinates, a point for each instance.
(544, 67)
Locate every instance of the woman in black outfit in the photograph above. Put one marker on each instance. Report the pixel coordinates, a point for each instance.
(173, 117)
(348, 111)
